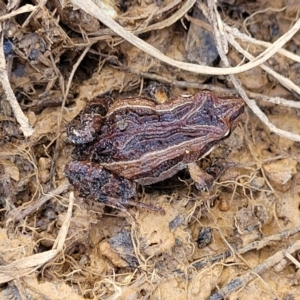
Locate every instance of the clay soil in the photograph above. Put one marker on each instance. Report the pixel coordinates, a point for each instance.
(239, 239)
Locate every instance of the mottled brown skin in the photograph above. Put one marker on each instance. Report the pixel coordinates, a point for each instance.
(135, 140)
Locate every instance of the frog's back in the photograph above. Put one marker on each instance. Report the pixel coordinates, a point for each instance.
(185, 125)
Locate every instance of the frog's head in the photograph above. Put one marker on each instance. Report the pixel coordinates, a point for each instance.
(229, 110)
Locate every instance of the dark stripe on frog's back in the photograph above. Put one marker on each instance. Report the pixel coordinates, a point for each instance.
(129, 133)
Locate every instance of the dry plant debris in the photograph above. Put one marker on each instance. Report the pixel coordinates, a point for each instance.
(239, 238)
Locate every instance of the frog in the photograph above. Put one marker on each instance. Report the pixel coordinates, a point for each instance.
(137, 141)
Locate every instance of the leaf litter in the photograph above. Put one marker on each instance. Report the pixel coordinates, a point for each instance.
(57, 57)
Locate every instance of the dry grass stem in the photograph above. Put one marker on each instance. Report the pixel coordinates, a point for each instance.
(251, 103)
(169, 21)
(89, 7)
(11, 98)
(234, 32)
(283, 80)
(24, 9)
(29, 264)
(243, 280)
(17, 215)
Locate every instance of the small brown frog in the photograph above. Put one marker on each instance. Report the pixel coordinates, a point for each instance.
(136, 140)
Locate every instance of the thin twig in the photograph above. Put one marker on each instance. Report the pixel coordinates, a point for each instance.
(214, 88)
(29, 264)
(251, 103)
(89, 7)
(257, 245)
(169, 21)
(17, 215)
(145, 14)
(11, 98)
(275, 100)
(283, 80)
(242, 36)
(243, 280)
(24, 9)
(62, 235)
(184, 84)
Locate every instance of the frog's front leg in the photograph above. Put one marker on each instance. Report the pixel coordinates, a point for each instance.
(104, 186)
(84, 127)
(203, 181)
